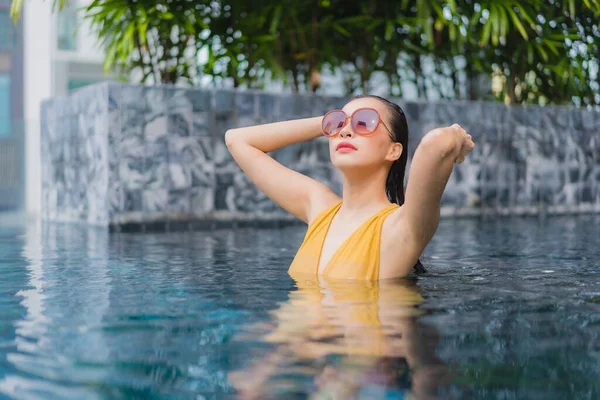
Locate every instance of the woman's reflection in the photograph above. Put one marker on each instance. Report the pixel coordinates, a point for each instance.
(356, 339)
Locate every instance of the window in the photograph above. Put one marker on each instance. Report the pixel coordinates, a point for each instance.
(78, 83)
(4, 105)
(66, 26)
(7, 30)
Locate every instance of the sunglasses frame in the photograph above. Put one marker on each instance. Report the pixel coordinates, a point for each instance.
(380, 122)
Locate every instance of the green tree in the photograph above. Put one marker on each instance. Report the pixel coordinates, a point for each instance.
(158, 39)
(540, 51)
(545, 50)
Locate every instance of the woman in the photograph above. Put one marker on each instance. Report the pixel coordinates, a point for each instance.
(373, 231)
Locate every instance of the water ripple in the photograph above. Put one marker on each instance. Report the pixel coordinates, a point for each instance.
(510, 309)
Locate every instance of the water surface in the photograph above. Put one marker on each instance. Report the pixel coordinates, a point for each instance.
(509, 309)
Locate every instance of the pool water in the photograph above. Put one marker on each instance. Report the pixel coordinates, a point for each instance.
(509, 309)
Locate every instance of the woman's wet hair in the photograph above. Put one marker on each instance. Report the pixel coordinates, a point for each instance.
(394, 185)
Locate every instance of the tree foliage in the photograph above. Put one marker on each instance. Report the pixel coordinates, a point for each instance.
(535, 51)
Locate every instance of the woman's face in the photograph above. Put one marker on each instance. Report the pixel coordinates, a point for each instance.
(349, 150)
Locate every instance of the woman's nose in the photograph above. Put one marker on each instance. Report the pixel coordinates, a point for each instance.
(346, 131)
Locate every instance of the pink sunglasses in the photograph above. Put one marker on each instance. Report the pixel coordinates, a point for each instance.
(364, 121)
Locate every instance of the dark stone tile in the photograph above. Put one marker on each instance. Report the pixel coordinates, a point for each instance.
(222, 125)
(90, 149)
(157, 152)
(200, 100)
(116, 200)
(412, 112)
(57, 151)
(224, 102)
(246, 104)
(323, 104)
(177, 99)
(156, 175)
(179, 201)
(429, 112)
(590, 192)
(180, 123)
(58, 176)
(222, 158)
(529, 116)
(158, 98)
(131, 123)
(190, 150)
(268, 107)
(113, 134)
(114, 173)
(590, 121)
(224, 184)
(202, 124)
(130, 97)
(293, 106)
(131, 172)
(466, 114)
(286, 155)
(304, 153)
(114, 96)
(323, 172)
(202, 175)
(156, 128)
(180, 176)
(154, 200)
(202, 200)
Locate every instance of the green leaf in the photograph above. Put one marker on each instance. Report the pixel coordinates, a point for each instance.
(572, 8)
(495, 20)
(487, 30)
(15, 10)
(341, 30)
(518, 24)
(525, 14)
(276, 19)
(389, 30)
(530, 54)
(542, 52)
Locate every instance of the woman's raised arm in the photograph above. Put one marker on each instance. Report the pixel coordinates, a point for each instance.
(298, 194)
(430, 170)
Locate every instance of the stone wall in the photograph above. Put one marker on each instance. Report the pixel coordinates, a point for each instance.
(117, 155)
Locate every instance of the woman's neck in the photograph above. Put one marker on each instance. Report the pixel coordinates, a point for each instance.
(364, 193)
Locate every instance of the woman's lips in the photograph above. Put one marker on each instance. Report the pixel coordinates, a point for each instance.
(345, 147)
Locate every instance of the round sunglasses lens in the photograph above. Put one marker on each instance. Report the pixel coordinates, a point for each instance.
(365, 121)
(333, 123)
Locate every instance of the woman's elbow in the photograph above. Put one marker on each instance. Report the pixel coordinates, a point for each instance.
(441, 142)
(231, 137)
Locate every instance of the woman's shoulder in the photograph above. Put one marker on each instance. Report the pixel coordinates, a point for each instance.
(322, 205)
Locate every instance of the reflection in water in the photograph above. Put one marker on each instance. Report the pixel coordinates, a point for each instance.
(357, 339)
(65, 300)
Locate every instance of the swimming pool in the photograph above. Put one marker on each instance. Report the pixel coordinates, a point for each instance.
(509, 309)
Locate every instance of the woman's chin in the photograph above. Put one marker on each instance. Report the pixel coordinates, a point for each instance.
(347, 163)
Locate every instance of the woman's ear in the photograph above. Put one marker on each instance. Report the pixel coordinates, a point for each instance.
(395, 152)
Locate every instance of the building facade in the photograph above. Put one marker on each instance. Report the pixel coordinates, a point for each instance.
(59, 54)
(11, 111)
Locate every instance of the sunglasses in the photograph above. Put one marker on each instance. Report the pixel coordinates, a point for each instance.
(364, 121)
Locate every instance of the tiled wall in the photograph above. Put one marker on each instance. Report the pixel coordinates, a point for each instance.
(114, 154)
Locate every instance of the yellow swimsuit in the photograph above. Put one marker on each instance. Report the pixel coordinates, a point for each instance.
(357, 257)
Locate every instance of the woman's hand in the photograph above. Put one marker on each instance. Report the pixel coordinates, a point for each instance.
(465, 140)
